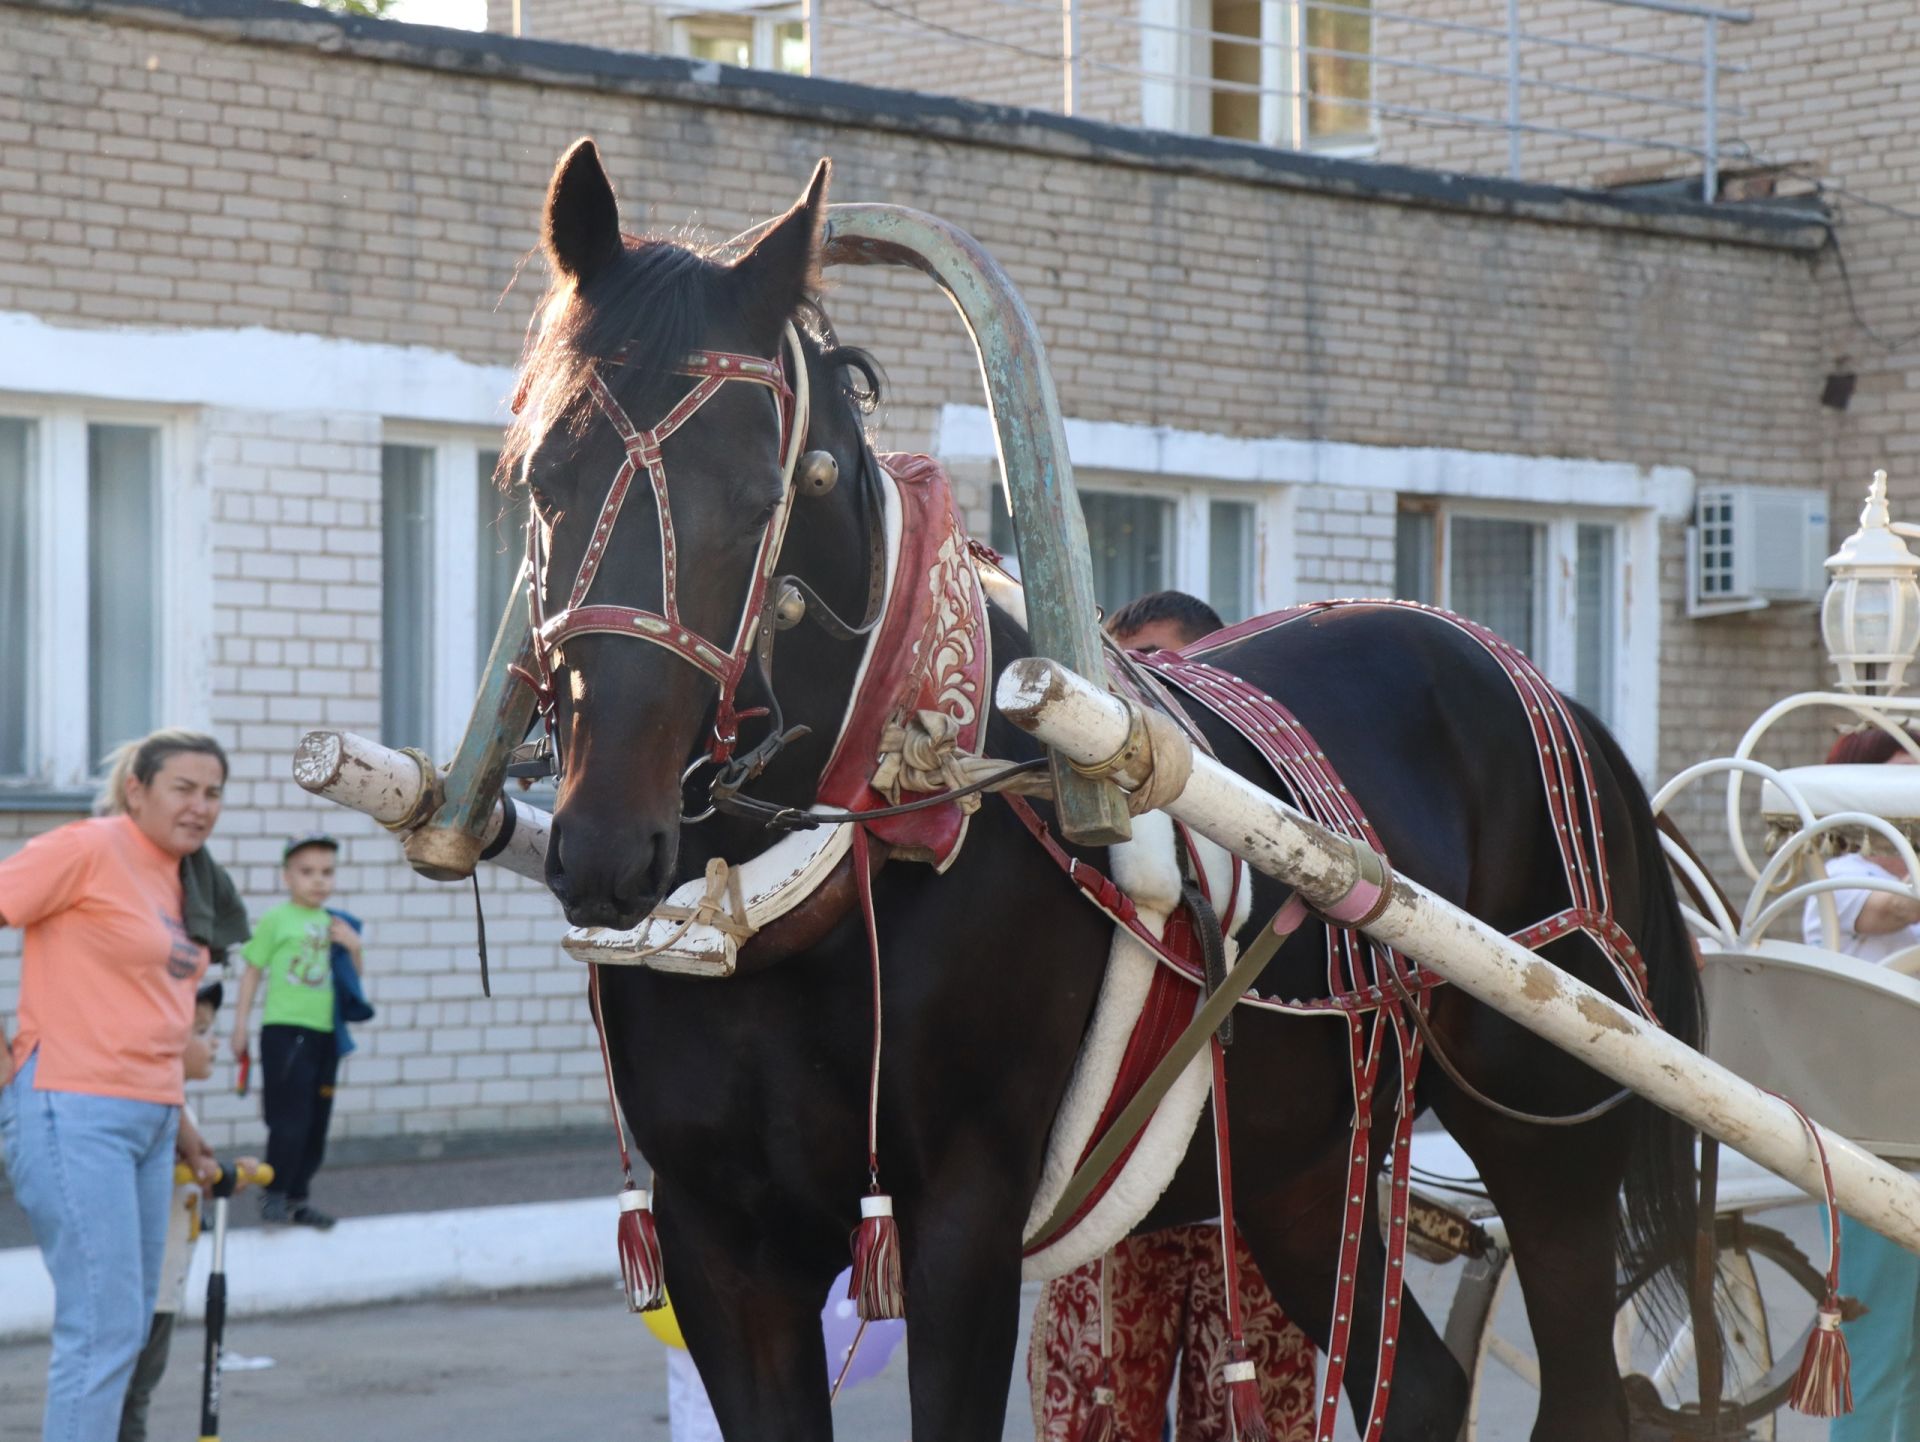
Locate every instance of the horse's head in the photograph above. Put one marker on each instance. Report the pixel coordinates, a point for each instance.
(659, 430)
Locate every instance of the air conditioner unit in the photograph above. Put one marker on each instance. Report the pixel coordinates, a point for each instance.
(1750, 546)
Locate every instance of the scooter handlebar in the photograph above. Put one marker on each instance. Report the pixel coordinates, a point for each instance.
(231, 1178)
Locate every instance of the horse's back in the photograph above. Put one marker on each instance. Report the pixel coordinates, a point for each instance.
(1419, 719)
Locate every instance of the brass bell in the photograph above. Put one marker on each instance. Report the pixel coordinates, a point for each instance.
(790, 607)
(817, 473)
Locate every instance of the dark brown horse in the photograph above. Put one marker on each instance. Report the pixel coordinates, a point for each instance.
(748, 1096)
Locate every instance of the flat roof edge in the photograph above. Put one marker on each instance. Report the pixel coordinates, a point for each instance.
(679, 80)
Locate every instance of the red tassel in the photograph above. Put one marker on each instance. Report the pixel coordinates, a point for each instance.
(1101, 1426)
(877, 1289)
(1823, 1387)
(1246, 1421)
(641, 1270)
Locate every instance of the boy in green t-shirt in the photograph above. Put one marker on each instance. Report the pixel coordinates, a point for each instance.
(292, 949)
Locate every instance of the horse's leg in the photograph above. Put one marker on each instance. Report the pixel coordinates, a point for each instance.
(752, 1321)
(1294, 1233)
(1557, 1190)
(963, 1309)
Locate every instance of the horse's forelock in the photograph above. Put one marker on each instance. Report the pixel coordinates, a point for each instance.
(655, 302)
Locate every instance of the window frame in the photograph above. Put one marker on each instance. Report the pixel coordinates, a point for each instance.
(1556, 649)
(765, 19)
(1189, 555)
(1176, 88)
(456, 658)
(60, 773)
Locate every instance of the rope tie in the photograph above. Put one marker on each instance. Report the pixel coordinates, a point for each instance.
(922, 753)
(723, 882)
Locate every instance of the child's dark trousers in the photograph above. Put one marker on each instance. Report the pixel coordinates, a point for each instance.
(299, 1066)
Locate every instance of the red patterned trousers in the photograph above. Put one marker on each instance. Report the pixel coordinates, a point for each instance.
(1169, 1304)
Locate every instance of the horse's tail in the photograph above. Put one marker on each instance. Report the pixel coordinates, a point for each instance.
(1658, 1218)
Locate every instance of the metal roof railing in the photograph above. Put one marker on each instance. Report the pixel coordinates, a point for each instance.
(1337, 76)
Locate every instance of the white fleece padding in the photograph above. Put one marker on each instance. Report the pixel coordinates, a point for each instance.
(1147, 869)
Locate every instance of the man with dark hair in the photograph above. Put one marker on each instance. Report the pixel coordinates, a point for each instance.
(1163, 621)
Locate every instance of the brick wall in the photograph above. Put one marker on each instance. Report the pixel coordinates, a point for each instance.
(314, 176)
(991, 53)
(1344, 542)
(612, 24)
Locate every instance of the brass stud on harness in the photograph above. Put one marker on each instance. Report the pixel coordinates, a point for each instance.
(790, 607)
(817, 473)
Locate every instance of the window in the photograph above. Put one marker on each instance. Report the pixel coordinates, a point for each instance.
(406, 595)
(99, 655)
(16, 466)
(123, 536)
(503, 546)
(1339, 73)
(1277, 72)
(450, 554)
(1237, 59)
(1547, 583)
(758, 37)
(1173, 537)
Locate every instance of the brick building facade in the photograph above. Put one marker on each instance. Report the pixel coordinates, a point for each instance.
(249, 263)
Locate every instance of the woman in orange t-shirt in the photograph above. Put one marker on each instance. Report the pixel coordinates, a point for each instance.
(90, 1086)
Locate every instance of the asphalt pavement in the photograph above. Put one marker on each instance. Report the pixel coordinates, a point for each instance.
(528, 1366)
(531, 1366)
(524, 1367)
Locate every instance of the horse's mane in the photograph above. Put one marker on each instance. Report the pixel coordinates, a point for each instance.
(653, 303)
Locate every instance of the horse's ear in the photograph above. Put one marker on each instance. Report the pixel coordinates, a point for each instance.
(783, 268)
(581, 231)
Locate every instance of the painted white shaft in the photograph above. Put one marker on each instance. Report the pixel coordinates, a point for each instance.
(387, 785)
(1084, 722)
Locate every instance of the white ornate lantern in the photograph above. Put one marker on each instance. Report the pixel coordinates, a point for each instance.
(1870, 619)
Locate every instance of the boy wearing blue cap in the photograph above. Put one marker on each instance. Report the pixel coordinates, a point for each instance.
(292, 952)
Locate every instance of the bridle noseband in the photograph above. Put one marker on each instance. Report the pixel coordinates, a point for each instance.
(664, 628)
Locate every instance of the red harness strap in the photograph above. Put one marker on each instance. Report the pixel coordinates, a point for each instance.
(1354, 969)
(1566, 777)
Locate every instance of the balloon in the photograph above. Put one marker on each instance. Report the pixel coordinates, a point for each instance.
(664, 1325)
(841, 1324)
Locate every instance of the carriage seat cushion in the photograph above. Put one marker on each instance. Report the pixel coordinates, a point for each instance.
(1891, 792)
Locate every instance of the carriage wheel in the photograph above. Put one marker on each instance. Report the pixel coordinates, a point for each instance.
(1766, 1289)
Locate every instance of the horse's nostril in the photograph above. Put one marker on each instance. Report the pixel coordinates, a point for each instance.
(660, 864)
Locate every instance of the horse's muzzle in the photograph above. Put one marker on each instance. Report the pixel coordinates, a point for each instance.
(605, 876)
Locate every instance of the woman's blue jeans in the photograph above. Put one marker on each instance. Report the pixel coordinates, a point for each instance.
(93, 1175)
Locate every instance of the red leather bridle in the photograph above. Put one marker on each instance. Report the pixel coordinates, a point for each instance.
(726, 665)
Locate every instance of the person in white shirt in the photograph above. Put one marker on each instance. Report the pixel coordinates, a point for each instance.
(1885, 1343)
